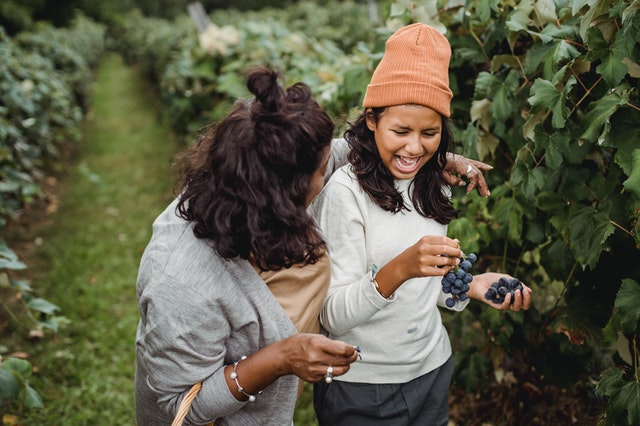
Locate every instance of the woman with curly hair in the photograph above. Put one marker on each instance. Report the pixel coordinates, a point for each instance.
(206, 315)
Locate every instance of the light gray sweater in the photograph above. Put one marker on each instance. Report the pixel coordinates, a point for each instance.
(198, 313)
(403, 338)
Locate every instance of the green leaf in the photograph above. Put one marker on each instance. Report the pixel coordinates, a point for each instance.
(596, 8)
(633, 182)
(9, 386)
(42, 305)
(32, 399)
(577, 5)
(550, 201)
(485, 85)
(624, 137)
(547, 96)
(628, 304)
(19, 366)
(509, 213)
(588, 230)
(629, 400)
(503, 106)
(483, 9)
(599, 113)
(8, 258)
(611, 67)
(610, 382)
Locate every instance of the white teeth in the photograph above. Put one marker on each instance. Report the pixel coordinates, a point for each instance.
(408, 161)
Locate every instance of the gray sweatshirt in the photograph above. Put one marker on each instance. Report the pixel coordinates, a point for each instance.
(198, 313)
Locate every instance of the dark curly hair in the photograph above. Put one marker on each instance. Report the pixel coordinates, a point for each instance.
(376, 180)
(246, 180)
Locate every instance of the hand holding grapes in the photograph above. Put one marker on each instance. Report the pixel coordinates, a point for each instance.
(516, 301)
(431, 255)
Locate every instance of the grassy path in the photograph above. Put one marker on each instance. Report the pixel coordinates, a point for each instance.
(91, 247)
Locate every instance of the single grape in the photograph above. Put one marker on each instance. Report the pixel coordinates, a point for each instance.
(466, 265)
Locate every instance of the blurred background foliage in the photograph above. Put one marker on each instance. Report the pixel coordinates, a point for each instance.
(547, 91)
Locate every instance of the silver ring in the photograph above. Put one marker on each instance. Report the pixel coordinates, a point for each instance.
(469, 168)
(328, 378)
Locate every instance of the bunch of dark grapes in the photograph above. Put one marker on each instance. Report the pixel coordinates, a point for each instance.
(498, 290)
(456, 282)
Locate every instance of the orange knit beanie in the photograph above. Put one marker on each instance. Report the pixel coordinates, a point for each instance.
(413, 70)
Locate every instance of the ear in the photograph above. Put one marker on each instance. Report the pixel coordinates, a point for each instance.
(371, 124)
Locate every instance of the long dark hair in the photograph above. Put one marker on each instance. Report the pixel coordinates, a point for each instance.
(377, 181)
(246, 180)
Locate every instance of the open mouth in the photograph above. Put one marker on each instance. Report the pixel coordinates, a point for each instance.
(407, 164)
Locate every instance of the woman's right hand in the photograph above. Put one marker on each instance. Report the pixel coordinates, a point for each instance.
(430, 256)
(309, 356)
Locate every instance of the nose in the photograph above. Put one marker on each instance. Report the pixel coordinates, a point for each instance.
(413, 147)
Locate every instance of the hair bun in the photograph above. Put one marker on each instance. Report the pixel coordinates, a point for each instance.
(264, 86)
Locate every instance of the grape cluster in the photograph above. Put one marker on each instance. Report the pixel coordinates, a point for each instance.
(456, 282)
(498, 290)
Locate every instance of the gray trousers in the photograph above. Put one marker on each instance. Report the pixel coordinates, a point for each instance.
(422, 401)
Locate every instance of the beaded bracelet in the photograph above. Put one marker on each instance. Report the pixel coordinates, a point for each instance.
(234, 377)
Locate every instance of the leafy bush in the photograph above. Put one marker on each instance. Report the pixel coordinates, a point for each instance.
(547, 92)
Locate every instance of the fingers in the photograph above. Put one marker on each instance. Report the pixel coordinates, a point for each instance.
(477, 179)
(341, 355)
(480, 165)
(521, 300)
(452, 179)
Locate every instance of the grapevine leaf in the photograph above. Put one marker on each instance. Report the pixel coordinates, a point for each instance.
(502, 106)
(611, 67)
(610, 382)
(518, 20)
(487, 145)
(596, 8)
(632, 67)
(42, 305)
(628, 399)
(554, 144)
(628, 304)
(633, 182)
(485, 84)
(550, 201)
(480, 112)
(32, 399)
(546, 95)
(599, 113)
(546, 11)
(483, 10)
(508, 212)
(9, 386)
(19, 366)
(8, 258)
(624, 136)
(588, 230)
(577, 5)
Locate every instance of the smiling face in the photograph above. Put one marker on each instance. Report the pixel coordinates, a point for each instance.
(407, 136)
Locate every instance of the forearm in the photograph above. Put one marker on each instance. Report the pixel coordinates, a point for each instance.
(257, 371)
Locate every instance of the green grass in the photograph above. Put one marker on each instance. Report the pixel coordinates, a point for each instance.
(91, 247)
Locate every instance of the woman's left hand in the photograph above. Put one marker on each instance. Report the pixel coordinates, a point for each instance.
(482, 282)
(457, 166)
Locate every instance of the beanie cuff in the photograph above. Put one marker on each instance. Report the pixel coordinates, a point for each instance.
(388, 94)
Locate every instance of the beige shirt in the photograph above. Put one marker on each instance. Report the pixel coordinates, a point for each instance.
(300, 290)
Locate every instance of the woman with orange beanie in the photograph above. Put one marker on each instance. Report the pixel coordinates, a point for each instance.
(384, 217)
